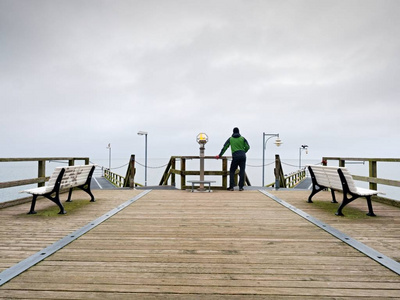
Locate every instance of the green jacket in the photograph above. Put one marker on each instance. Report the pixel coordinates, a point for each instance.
(237, 143)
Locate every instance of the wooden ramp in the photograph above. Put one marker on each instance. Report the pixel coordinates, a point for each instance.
(181, 245)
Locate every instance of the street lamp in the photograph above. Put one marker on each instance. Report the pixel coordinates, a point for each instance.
(109, 156)
(202, 139)
(145, 155)
(278, 142)
(302, 147)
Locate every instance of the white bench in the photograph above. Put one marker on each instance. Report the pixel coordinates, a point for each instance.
(201, 182)
(338, 179)
(63, 178)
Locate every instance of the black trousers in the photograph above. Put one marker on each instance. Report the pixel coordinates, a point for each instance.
(239, 160)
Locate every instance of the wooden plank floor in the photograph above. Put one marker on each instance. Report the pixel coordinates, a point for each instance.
(181, 245)
(22, 235)
(381, 233)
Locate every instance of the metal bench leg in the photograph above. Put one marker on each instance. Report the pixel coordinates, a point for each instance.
(32, 211)
(370, 210)
(57, 201)
(345, 201)
(315, 189)
(69, 195)
(333, 196)
(87, 190)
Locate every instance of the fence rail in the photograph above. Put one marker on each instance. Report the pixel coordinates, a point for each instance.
(41, 179)
(123, 181)
(291, 180)
(372, 179)
(41, 171)
(171, 171)
(114, 178)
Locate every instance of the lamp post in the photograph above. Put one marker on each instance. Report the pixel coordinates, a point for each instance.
(109, 156)
(145, 155)
(278, 142)
(202, 139)
(302, 147)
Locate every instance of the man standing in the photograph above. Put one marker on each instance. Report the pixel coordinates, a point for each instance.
(239, 147)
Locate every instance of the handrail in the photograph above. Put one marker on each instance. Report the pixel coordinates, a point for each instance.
(372, 179)
(373, 167)
(292, 179)
(171, 171)
(114, 178)
(123, 181)
(41, 179)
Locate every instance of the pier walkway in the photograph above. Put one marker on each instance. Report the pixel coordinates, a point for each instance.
(173, 244)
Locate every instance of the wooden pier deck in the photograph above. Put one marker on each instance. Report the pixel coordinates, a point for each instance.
(172, 244)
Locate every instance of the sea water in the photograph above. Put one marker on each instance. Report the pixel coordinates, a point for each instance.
(10, 171)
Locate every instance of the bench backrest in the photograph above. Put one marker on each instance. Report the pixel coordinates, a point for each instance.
(329, 177)
(73, 176)
(53, 179)
(350, 181)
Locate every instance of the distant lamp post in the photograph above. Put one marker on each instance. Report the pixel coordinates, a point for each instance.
(302, 147)
(202, 139)
(145, 155)
(109, 156)
(278, 142)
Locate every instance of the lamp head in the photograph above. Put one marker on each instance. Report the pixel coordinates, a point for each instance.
(142, 133)
(278, 142)
(202, 138)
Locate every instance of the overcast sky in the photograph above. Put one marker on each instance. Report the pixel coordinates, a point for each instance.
(77, 75)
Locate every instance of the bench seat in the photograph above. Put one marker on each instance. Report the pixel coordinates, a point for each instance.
(201, 182)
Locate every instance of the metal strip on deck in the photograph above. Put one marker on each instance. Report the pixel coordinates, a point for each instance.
(24, 265)
(368, 251)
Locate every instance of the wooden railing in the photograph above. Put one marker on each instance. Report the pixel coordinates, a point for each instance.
(372, 179)
(41, 171)
(41, 179)
(114, 178)
(292, 179)
(121, 181)
(171, 171)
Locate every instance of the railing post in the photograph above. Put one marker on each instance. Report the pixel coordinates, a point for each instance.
(341, 163)
(373, 173)
(183, 170)
(41, 171)
(225, 170)
(132, 173)
(71, 162)
(173, 167)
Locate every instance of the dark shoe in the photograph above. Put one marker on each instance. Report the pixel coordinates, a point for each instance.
(230, 189)
(240, 189)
